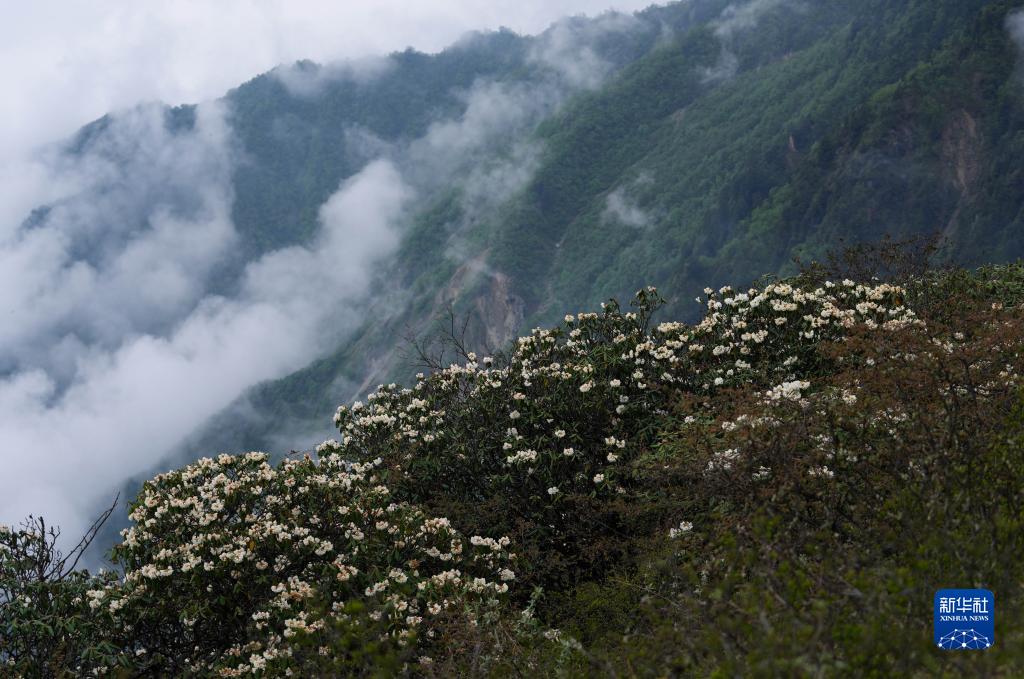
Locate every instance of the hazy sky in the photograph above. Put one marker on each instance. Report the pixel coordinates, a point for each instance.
(70, 61)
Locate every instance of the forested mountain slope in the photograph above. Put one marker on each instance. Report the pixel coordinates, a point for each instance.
(843, 120)
(727, 149)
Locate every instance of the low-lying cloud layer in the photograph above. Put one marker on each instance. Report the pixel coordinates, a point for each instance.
(77, 61)
(567, 48)
(734, 20)
(114, 351)
(126, 243)
(619, 207)
(743, 16)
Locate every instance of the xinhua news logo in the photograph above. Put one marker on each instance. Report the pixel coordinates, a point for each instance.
(965, 619)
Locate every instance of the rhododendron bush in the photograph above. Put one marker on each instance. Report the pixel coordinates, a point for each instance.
(235, 565)
(456, 524)
(272, 559)
(45, 625)
(539, 443)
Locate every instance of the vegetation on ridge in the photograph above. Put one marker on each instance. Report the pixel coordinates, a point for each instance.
(778, 488)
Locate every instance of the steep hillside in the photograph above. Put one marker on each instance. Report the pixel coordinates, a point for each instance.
(729, 148)
(841, 120)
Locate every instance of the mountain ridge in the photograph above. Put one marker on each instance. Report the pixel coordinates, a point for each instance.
(690, 144)
(767, 215)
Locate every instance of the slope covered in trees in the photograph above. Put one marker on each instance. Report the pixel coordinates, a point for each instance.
(689, 144)
(727, 148)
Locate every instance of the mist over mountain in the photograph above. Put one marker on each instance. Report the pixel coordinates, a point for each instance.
(219, 277)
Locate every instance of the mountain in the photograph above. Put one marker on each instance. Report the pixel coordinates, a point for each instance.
(773, 481)
(746, 137)
(509, 179)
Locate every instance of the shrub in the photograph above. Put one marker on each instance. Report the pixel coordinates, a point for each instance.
(768, 492)
(45, 625)
(814, 521)
(538, 443)
(235, 566)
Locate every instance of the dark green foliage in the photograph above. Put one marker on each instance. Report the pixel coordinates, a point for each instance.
(847, 120)
(555, 396)
(46, 626)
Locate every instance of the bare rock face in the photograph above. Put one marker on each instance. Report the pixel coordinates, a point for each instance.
(961, 151)
(501, 311)
(961, 160)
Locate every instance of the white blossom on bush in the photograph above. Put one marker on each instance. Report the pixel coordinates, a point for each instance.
(279, 555)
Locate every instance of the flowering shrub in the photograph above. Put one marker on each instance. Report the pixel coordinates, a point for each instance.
(545, 436)
(901, 402)
(236, 566)
(774, 332)
(813, 517)
(646, 474)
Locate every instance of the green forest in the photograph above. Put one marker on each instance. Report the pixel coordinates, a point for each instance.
(870, 119)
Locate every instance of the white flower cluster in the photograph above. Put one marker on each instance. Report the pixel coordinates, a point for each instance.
(683, 528)
(962, 371)
(562, 410)
(788, 390)
(765, 331)
(282, 551)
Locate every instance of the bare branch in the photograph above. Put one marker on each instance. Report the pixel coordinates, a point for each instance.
(87, 539)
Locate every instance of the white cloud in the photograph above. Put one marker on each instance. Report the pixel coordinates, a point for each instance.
(494, 112)
(1015, 25)
(307, 78)
(497, 113)
(621, 207)
(126, 407)
(497, 181)
(137, 223)
(112, 347)
(567, 48)
(737, 18)
(70, 62)
(744, 16)
(723, 69)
